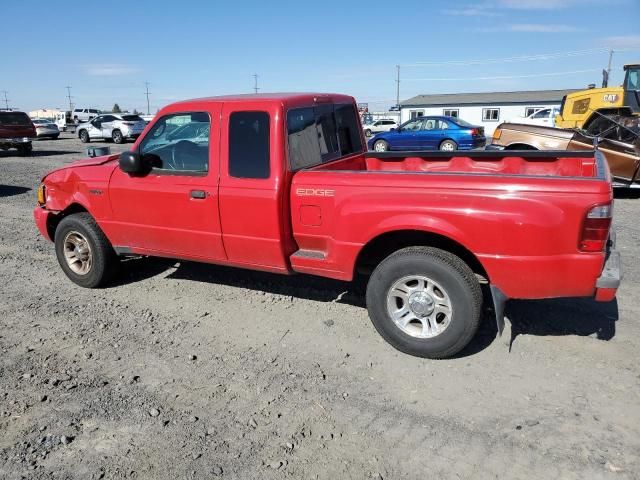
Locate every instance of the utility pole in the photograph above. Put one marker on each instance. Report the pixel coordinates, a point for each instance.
(398, 87)
(255, 83)
(69, 97)
(6, 100)
(146, 84)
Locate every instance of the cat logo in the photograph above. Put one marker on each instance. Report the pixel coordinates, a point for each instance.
(610, 97)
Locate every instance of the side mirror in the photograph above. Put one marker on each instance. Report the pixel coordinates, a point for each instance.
(130, 162)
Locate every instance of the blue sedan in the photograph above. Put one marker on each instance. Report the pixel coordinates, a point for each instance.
(430, 133)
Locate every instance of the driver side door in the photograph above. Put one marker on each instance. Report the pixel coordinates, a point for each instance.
(95, 128)
(172, 210)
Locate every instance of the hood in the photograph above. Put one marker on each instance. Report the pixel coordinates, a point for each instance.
(87, 162)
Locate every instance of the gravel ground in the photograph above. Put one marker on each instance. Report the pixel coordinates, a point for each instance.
(182, 370)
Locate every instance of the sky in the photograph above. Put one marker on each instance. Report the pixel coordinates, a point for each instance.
(106, 51)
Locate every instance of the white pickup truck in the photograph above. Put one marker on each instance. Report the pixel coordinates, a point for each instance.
(545, 117)
(80, 115)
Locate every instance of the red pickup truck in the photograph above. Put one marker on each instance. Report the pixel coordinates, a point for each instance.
(283, 183)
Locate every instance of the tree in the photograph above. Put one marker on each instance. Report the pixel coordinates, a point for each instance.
(116, 108)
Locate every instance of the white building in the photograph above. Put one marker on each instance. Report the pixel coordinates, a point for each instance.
(483, 109)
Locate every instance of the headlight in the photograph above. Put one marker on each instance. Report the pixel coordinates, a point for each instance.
(42, 198)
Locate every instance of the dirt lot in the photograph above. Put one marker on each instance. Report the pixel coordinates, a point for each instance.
(184, 371)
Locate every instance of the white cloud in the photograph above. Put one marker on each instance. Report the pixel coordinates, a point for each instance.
(110, 70)
(530, 28)
(622, 41)
(537, 4)
(481, 10)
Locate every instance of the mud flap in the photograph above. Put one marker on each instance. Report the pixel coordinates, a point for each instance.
(499, 301)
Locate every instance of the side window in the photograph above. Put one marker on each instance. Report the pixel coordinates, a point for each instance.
(178, 143)
(321, 134)
(529, 111)
(249, 145)
(412, 125)
(442, 125)
(542, 113)
(430, 124)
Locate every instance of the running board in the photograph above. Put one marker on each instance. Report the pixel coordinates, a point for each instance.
(315, 254)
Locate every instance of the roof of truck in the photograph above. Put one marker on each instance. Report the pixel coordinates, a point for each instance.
(277, 97)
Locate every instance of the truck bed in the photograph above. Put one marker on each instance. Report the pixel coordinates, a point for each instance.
(576, 164)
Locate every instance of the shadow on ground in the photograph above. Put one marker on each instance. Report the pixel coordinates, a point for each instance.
(10, 190)
(626, 193)
(567, 316)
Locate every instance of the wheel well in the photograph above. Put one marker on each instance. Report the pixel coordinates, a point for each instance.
(448, 140)
(54, 220)
(520, 146)
(384, 245)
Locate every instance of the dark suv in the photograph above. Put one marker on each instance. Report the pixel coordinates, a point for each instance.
(16, 131)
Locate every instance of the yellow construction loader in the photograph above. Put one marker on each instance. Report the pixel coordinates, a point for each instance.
(579, 109)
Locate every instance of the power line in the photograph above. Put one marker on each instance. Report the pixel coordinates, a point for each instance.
(499, 77)
(146, 84)
(519, 58)
(398, 86)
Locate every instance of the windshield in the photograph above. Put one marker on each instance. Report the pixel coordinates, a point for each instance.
(14, 118)
(633, 78)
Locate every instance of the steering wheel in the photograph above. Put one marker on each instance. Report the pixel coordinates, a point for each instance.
(180, 150)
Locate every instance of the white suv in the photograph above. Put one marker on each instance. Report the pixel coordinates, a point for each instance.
(80, 115)
(377, 126)
(114, 126)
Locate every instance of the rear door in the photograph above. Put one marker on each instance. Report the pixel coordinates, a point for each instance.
(173, 209)
(429, 135)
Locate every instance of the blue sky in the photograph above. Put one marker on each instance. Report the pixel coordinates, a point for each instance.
(107, 50)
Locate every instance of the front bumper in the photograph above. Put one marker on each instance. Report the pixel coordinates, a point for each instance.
(609, 280)
(41, 217)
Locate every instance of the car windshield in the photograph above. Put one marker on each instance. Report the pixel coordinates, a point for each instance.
(462, 123)
(14, 118)
(132, 118)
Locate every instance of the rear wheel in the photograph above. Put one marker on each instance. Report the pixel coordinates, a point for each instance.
(83, 251)
(54, 137)
(117, 137)
(425, 302)
(448, 146)
(381, 146)
(84, 136)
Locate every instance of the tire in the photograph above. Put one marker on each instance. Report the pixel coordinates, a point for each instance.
(103, 260)
(84, 136)
(432, 334)
(54, 137)
(117, 137)
(381, 146)
(448, 146)
(367, 132)
(25, 150)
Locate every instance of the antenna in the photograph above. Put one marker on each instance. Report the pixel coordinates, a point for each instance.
(255, 83)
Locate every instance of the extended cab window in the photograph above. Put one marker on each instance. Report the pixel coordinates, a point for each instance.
(178, 143)
(249, 145)
(321, 134)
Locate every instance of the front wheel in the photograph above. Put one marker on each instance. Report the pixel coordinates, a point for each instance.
(83, 251)
(425, 302)
(84, 136)
(25, 150)
(448, 146)
(381, 146)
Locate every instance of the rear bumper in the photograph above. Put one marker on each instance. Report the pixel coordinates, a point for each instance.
(609, 280)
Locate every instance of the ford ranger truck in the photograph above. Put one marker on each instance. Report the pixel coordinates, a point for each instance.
(283, 183)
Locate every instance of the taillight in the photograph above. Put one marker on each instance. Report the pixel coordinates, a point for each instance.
(497, 133)
(595, 229)
(474, 131)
